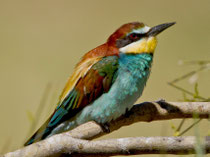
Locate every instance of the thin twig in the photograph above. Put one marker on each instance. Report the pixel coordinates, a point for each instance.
(188, 128)
(40, 108)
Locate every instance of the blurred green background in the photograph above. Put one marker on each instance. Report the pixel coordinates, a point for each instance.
(42, 40)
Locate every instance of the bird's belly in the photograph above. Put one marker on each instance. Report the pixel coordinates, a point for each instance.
(124, 92)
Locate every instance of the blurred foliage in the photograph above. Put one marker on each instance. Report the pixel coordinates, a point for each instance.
(191, 96)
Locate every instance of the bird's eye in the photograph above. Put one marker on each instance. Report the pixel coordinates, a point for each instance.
(134, 36)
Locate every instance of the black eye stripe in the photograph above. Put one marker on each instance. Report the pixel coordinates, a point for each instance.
(135, 36)
(129, 39)
(122, 42)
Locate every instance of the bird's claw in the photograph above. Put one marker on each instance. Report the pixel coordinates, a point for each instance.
(127, 113)
(105, 127)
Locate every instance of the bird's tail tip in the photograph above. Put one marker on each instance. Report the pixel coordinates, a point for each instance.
(30, 140)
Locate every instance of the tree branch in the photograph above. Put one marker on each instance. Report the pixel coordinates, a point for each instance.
(66, 143)
(146, 112)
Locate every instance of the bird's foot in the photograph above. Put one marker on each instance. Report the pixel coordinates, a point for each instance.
(127, 113)
(105, 127)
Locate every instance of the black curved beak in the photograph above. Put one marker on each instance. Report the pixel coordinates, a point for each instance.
(159, 28)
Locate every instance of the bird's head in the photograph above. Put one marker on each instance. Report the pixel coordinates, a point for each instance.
(136, 37)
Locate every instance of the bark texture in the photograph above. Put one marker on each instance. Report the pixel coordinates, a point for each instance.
(77, 142)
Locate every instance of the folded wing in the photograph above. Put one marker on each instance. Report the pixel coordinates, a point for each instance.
(91, 79)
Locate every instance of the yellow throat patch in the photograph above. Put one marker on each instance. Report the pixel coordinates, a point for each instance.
(145, 45)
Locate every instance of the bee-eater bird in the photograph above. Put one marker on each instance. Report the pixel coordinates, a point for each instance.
(107, 81)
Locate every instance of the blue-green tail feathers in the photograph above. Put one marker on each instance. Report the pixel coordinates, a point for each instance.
(60, 114)
(39, 134)
(48, 126)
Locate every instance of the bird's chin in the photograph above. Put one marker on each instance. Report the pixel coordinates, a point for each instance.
(145, 45)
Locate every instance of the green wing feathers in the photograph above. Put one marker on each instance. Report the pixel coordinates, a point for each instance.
(97, 81)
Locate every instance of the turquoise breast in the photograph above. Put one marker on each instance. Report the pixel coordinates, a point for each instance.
(131, 77)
